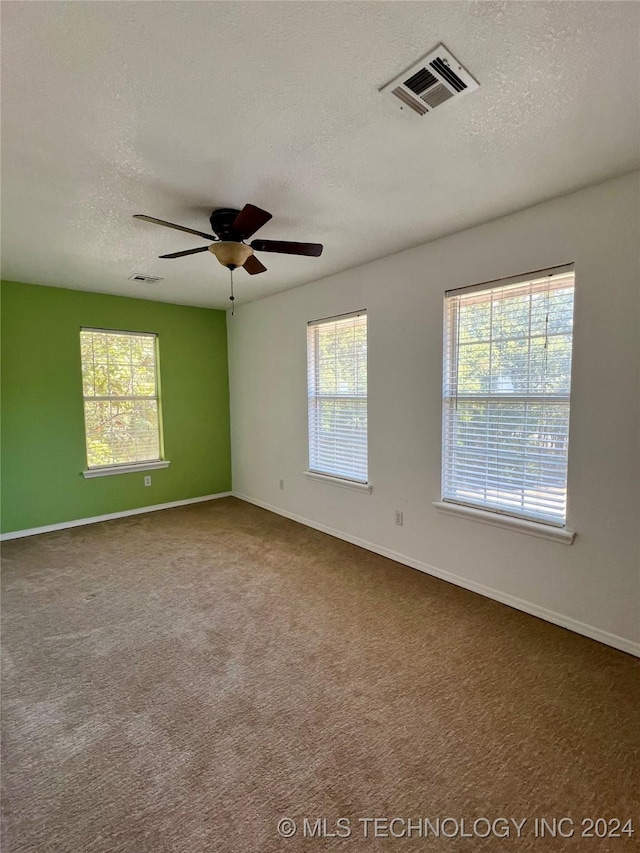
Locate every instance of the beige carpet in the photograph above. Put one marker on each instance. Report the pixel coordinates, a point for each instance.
(181, 681)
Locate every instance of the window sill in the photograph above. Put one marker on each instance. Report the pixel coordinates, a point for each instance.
(520, 525)
(338, 481)
(124, 469)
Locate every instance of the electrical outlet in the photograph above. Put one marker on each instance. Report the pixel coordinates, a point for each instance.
(282, 484)
(147, 480)
(399, 518)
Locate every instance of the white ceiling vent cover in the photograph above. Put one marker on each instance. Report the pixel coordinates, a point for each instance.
(432, 81)
(150, 279)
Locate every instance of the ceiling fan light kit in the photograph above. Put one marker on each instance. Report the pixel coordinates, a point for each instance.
(231, 254)
(231, 228)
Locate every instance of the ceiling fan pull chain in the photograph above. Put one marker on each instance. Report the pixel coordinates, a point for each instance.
(232, 297)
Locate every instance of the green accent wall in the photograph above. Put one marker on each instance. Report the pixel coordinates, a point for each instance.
(43, 443)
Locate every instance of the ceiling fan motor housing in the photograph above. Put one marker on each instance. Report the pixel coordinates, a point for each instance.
(222, 221)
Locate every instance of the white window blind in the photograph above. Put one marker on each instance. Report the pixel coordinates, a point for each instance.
(120, 388)
(337, 391)
(507, 382)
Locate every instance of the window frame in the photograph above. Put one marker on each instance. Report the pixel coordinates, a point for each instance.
(499, 516)
(158, 462)
(315, 471)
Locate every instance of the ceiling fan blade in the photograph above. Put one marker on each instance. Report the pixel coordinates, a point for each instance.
(253, 266)
(187, 252)
(312, 249)
(173, 225)
(250, 219)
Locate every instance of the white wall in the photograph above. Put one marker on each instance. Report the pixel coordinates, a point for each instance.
(592, 586)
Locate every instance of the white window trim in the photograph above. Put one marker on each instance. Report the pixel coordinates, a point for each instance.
(508, 522)
(132, 467)
(367, 488)
(499, 518)
(329, 476)
(560, 269)
(128, 467)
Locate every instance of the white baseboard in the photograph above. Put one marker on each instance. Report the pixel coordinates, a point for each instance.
(63, 525)
(593, 633)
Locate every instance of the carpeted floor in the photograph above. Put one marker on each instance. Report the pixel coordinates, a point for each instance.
(183, 680)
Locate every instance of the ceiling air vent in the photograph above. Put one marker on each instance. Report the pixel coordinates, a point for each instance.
(437, 78)
(150, 279)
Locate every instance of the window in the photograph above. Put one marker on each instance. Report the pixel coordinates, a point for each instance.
(337, 384)
(507, 380)
(120, 387)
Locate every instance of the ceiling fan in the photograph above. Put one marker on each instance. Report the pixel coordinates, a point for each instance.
(230, 229)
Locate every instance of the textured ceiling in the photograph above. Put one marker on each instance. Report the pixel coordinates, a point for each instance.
(173, 108)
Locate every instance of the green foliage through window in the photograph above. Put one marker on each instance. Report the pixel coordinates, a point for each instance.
(507, 383)
(120, 388)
